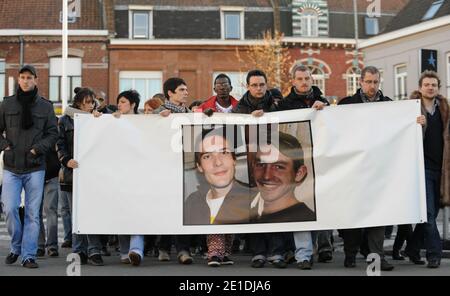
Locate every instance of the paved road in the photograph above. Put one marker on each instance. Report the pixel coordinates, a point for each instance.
(58, 266)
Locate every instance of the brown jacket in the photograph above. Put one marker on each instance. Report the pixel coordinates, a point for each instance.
(445, 113)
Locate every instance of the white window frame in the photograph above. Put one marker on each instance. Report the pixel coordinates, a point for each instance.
(381, 79)
(432, 10)
(74, 70)
(140, 9)
(401, 91)
(238, 10)
(319, 80)
(311, 21)
(353, 78)
(3, 80)
(142, 75)
(448, 75)
(239, 84)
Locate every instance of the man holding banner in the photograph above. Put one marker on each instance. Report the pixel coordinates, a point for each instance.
(436, 145)
(368, 93)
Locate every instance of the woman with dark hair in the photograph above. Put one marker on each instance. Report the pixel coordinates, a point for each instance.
(128, 103)
(88, 247)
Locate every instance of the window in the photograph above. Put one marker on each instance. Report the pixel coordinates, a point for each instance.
(233, 25)
(434, 8)
(372, 27)
(353, 76)
(318, 78)
(145, 83)
(141, 24)
(401, 75)
(381, 80)
(237, 82)
(310, 23)
(73, 66)
(448, 76)
(2, 79)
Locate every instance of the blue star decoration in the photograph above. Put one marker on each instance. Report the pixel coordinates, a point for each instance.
(432, 60)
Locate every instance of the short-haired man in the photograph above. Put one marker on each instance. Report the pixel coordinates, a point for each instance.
(222, 102)
(303, 93)
(257, 99)
(176, 92)
(306, 95)
(436, 146)
(30, 131)
(368, 93)
(219, 199)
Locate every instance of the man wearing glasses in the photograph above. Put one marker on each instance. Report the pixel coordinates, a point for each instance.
(368, 93)
(257, 99)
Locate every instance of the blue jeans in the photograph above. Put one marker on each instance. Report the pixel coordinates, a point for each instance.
(50, 208)
(137, 245)
(82, 243)
(303, 246)
(24, 241)
(66, 216)
(429, 230)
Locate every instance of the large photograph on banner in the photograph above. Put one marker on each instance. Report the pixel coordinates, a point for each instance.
(243, 174)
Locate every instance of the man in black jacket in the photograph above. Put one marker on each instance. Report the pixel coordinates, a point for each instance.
(30, 128)
(257, 99)
(368, 93)
(305, 95)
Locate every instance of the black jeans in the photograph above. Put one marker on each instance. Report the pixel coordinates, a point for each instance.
(265, 244)
(354, 237)
(404, 233)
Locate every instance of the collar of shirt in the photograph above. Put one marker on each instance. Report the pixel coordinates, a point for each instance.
(366, 99)
(435, 105)
(175, 108)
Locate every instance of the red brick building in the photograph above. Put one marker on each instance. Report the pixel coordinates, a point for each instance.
(30, 33)
(121, 44)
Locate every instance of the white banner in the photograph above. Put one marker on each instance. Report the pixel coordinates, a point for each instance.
(361, 165)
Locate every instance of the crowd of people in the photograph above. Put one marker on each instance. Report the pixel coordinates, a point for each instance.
(39, 160)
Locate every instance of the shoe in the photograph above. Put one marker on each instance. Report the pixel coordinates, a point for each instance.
(415, 258)
(163, 256)
(289, 257)
(258, 263)
(227, 261)
(350, 262)
(96, 260)
(304, 265)
(279, 263)
(397, 256)
(125, 260)
(185, 258)
(30, 263)
(11, 258)
(433, 263)
(386, 266)
(52, 252)
(135, 258)
(66, 245)
(105, 252)
(40, 253)
(325, 257)
(214, 261)
(83, 258)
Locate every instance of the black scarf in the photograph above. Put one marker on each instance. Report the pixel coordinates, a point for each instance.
(26, 99)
